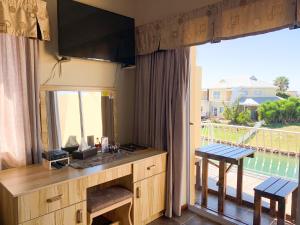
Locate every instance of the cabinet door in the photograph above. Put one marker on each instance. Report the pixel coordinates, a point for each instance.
(149, 198)
(72, 215)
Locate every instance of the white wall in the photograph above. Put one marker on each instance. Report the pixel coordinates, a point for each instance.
(79, 72)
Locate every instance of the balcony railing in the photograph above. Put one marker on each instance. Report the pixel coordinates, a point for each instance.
(262, 139)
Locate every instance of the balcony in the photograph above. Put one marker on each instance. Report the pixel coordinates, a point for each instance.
(277, 154)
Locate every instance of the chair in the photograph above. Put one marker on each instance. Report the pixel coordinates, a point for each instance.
(115, 202)
(277, 190)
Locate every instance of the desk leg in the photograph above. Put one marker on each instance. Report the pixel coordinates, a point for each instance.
(294, 204)
(204, 182)
(281, 212)
(222, 186)
(239, 189)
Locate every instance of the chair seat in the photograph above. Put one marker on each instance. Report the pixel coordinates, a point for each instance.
(102, 199)
(276, 187)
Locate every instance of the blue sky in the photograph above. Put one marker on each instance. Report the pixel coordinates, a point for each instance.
(265, 56)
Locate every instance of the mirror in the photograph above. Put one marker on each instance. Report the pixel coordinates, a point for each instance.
(68, 116)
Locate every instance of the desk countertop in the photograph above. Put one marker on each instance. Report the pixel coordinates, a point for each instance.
(27, 179)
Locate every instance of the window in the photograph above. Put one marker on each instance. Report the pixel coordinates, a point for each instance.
(215, 111)
(79, 114)
(221, 110)
(258, 93)
(243, 92)
(217, 95)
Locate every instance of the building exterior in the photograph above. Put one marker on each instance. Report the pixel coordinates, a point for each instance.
(249, 91)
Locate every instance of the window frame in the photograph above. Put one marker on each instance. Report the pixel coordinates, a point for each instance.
(43, 109)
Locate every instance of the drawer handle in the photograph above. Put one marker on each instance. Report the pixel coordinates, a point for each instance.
(138, 192)
(54, 199)
(79, 217)
(150, 167)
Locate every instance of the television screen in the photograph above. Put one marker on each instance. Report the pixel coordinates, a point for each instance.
(92, 33)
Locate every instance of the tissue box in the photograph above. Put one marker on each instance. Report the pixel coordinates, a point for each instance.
(84, 154)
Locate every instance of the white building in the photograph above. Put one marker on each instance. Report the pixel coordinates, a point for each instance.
(250, 92)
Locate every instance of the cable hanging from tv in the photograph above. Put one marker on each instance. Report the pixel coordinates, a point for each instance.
(57, 67)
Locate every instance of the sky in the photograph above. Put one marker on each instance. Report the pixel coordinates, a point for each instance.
(265, 56)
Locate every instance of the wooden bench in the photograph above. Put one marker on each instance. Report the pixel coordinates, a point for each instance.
(115, 202)
(277, 190)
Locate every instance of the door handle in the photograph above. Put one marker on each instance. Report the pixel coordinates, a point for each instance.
(79, 216)
(54, 199)
(138, 192)
(150, 167)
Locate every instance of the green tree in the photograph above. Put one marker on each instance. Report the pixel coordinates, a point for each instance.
(282, 83)
(236, 114)
(244, 117)
(283, 95)
(282, 111)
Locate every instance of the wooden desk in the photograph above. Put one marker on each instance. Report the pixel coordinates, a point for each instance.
(34, 195)
(224, 154)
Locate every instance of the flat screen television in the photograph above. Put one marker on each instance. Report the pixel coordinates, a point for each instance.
(92, 33)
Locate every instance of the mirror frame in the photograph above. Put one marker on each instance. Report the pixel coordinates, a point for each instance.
(43, 106)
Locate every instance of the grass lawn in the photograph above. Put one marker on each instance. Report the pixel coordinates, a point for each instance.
(295, 127)
(272, 139)
(225, 133)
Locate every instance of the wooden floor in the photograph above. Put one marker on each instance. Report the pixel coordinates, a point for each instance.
(187, 218)
(232, 210)
(250, 181)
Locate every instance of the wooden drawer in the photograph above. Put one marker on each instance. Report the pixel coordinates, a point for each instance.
(50, 199)
(149, 167)
(72, 215)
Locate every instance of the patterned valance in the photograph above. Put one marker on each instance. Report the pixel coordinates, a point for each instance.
(195, 27)
(244, 17)
(28, 18)
(148, 38)
(224, 20)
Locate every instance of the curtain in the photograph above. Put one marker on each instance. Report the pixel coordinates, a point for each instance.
(246, 17)
(162, 82)
(108, 123)
(185, 29)
(20, 141)
(54, 134)
(27, 18)
(298, 202)
(223, 20)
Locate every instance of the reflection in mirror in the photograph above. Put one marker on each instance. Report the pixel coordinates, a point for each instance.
(76, 115)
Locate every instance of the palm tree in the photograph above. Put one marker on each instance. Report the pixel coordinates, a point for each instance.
(282, 83)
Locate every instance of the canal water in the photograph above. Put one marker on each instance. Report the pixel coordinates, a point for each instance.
(273, 165)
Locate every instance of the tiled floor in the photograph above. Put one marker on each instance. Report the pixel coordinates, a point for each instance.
(187, 218)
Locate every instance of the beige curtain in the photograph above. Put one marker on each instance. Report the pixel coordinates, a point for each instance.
(27, 18)
(245, 17)
(162, 82)
(224, 20)
(147, 38)
(20, 142)
(298, 202)
(108, 123)
(54, 133)
(195, 27)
